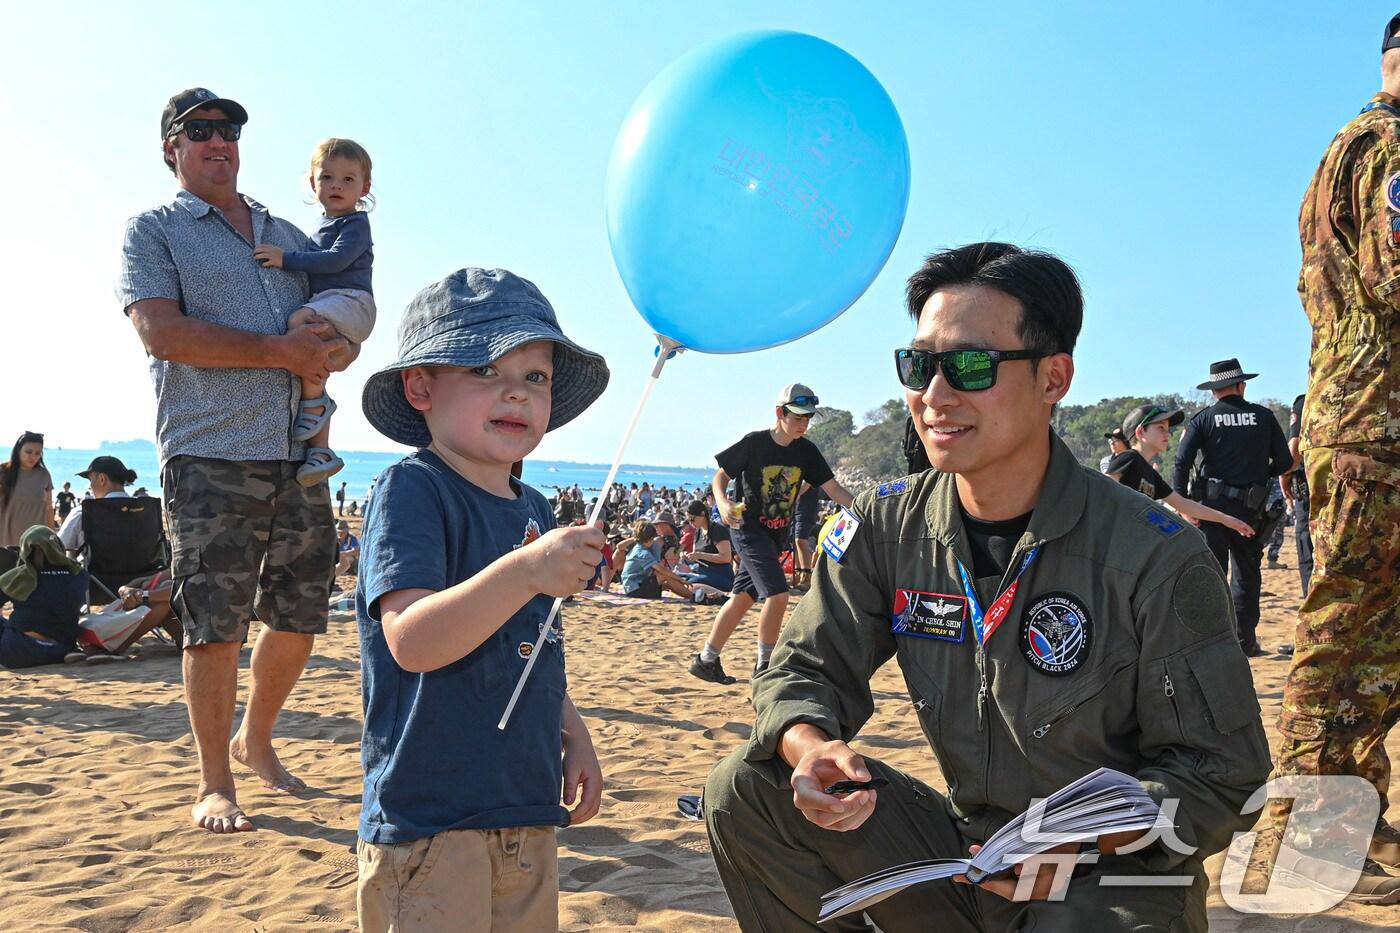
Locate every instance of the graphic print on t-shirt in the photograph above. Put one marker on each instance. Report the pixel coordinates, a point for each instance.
(532, 533)
(779, 493)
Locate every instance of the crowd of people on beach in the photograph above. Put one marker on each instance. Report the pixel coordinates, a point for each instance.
(1049, 620)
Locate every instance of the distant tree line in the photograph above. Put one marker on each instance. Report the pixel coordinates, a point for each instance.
(876, 448)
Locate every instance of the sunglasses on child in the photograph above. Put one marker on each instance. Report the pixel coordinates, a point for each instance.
(965, 370)
(202, 130)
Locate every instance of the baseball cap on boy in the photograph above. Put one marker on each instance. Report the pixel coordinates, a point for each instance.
(1145, 415)
(1115, 435)
(471, 318)
(798, 399)
(192, 99)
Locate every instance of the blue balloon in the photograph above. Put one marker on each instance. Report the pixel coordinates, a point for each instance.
(755, 190)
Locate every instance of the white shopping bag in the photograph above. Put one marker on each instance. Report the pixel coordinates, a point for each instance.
(110, 626)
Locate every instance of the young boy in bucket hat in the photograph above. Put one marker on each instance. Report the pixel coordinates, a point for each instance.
(459, 565)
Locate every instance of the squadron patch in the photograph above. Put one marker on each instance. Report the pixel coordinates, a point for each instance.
(929, 615)
(839, 537)
(1163, 522)
(1056, 634)
(892, 489)
(1392, 192)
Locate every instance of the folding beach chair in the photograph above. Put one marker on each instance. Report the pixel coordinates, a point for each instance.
(124, 538)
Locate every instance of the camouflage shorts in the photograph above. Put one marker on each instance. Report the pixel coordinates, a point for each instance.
(248, 541)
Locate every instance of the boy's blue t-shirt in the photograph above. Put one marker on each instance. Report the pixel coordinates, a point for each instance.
(638, 566)
(433, 757)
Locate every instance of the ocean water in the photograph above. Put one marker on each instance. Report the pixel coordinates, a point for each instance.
(362, 466)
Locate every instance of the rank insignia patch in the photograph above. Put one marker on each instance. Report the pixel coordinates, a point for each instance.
(929, 615)
(835, 541)
(1056, 634)
(1392, 192)
(892, 489)
(1163, 522)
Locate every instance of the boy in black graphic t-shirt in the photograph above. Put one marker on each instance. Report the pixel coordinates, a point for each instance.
(768, 468)
(1148, 428)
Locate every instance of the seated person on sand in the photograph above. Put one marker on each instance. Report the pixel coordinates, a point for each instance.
(48, 589)
(348, 549)
(644, 574)
(107, 477)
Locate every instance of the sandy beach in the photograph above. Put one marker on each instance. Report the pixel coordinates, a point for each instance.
(97, 765)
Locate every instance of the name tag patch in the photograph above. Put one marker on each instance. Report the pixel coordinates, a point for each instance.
(929, 615)
(836, 540)
(1056, 634)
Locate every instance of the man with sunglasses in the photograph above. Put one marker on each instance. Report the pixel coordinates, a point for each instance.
(768, 468)
(1047, 621)
(246, 536)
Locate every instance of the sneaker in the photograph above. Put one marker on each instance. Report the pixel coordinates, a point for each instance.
(712, 671)
(760, 667)
(1253, 651)
(1385, 845)
(1275, 565)
(1286, 650)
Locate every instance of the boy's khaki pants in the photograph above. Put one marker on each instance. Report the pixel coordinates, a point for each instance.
(467, 880)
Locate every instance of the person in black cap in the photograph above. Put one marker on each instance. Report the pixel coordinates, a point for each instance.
(107, 476)
(1117, 444)
(1241, 447)
(1150, 428)
(223, 362)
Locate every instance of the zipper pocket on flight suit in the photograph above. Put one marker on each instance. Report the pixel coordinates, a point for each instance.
(1041, 731)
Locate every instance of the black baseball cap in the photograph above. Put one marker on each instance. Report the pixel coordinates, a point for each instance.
(1116, 434)
(1389, 41)
(1144, 415)
(110, 467)
(192, 99)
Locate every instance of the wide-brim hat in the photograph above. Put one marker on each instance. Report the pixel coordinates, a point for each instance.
(1224, 374)
(471, 318)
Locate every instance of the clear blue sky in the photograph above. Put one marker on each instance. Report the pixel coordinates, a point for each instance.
(1160, 149)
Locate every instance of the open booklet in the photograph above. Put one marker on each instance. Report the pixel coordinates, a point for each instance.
(1104, 801)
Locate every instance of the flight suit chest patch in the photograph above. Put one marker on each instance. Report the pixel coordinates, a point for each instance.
(1056, 633)
(929, 615)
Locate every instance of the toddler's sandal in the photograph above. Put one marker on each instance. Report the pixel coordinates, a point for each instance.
(316, 469)
(308, 425)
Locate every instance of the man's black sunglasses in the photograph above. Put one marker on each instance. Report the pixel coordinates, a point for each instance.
(965, 370)
(201, 130)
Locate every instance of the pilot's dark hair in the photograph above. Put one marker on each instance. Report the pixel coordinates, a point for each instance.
(1052, 304)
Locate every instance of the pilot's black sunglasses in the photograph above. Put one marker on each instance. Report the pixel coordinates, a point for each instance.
(965, 370)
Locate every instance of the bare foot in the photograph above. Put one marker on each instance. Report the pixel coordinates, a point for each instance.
(265, 763)
(220, 813)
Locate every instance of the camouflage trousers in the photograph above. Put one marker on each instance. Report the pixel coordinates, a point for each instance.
(247, 541)
(1341, 697)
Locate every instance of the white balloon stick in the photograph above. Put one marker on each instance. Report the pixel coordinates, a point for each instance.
(668, 346)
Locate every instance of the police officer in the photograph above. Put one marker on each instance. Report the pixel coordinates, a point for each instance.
(1340, 699)
(1242, 448)
(1048, 621)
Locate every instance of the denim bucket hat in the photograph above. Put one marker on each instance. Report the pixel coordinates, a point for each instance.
(471, 318)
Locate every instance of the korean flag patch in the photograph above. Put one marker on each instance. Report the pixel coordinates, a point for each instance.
(1392, 192)
(835, 542)
(1056, 634)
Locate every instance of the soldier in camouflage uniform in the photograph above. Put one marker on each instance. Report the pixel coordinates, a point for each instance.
(1341, 697)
